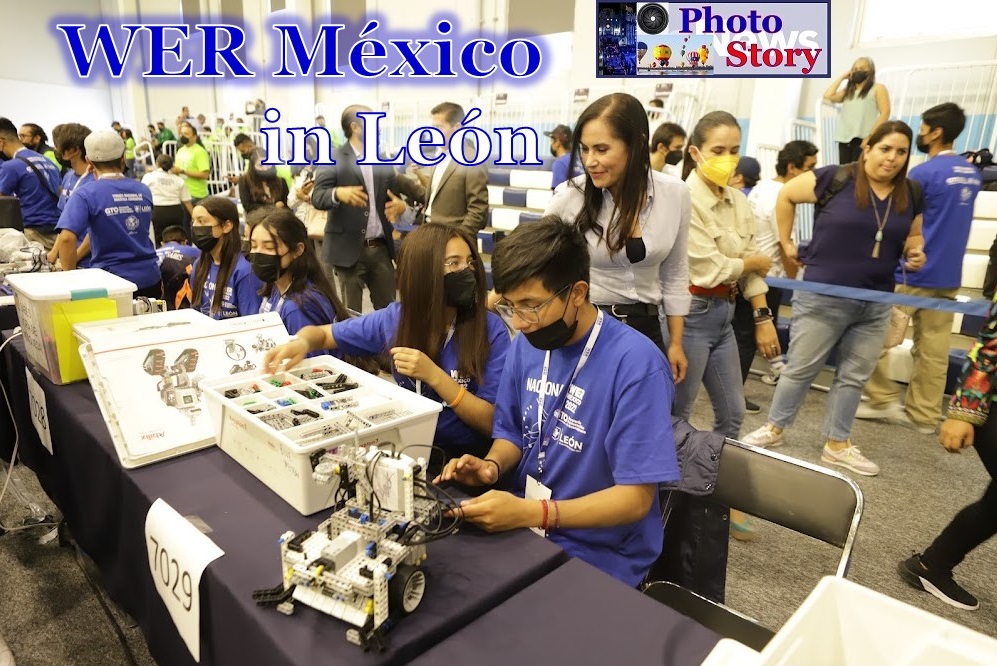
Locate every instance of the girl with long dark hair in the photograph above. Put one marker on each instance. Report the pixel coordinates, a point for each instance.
(443, 342)
(222, 283)
(294, 284)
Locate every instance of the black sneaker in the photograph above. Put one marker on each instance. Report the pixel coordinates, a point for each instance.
(937, 583)
(751, 408)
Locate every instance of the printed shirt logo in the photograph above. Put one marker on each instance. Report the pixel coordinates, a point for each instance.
(131, 222)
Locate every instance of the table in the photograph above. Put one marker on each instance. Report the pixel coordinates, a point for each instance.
(105, 507)
(576, 615)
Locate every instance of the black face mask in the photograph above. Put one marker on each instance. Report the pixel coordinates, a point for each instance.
(552, 151)
(859, 77)
(265, 266)
(673, 157)
(921, 145)
(184, 141)
(204, 239)
(460, 289)
(554, 335)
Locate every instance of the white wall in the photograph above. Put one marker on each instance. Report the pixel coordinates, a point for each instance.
(38, 83)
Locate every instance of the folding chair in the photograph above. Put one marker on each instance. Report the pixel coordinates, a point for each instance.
(803, 497)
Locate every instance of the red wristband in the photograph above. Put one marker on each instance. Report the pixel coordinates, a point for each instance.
(543, 523)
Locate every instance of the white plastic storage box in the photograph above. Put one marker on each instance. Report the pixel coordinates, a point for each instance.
(844, 624)
(48, 304)
(276, 426)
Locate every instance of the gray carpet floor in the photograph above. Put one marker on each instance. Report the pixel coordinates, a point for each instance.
(50, 615)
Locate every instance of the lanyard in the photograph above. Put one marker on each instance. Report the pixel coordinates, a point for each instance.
(450, 332)
(555, 413)
(77, 184)
(265, 306)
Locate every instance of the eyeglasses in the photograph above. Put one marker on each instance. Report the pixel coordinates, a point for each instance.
(528, 315)
(455, 265)
(25, 136)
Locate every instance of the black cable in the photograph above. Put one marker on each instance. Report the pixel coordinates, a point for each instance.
(129, 655)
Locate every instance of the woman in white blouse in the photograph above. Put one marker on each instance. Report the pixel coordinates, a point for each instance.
(170, 198)
(635, 221)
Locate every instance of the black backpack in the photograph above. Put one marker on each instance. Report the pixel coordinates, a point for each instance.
(844, 174)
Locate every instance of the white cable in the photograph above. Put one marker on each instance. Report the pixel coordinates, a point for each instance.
(17, 443)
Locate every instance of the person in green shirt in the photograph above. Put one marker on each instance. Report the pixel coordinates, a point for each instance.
(129, 138)
(192, 162)
(163, 134)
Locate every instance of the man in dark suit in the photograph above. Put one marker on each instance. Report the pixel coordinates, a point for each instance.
(358, 241)
(456, 194)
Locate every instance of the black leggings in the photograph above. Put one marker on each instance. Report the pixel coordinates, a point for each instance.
(649, 325)
(977, 522)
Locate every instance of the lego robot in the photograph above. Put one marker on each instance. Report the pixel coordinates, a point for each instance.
(362, 565)
(177, 388)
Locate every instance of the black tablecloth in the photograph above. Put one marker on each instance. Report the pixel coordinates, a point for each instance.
(575, 616)
(105, 507)
(8, 317)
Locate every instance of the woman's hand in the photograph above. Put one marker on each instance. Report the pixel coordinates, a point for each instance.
(790, 259)
(678, 361)
(915, 259)
(413, 363)
(956, 435)
(766, 339)
(292, 352)
(758, 263)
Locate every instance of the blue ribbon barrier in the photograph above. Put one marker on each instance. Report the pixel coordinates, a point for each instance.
(976, 307)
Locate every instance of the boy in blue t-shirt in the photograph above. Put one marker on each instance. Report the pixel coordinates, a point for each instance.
(950, 185)
(34, 180)
(117, 213)
(582, 414)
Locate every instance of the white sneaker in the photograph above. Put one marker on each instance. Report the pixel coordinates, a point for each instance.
(769, 379)
(867, 411)
(763, 437)
(850, 458)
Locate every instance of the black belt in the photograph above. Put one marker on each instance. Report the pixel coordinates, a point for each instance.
(631, 310)
(374, 242)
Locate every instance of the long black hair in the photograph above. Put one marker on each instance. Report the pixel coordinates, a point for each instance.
(627, 120)
(223, 210)
(305, 269)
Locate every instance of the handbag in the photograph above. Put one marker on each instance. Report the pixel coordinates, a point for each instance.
(10, 213)
(899, 320)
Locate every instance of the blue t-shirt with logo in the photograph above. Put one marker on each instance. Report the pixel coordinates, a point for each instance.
(70, 183)
(314, 309)
(241, 296)
(117, 213)
(38, 207)
(950, 186)
(179, 251)
(375, 333)
(614, 429)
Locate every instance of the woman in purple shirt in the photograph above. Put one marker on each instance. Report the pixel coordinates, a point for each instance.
(860, 235)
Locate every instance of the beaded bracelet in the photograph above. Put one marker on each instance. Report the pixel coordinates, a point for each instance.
(557, 515)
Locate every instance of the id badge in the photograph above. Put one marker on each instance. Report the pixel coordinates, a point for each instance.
(536, 491)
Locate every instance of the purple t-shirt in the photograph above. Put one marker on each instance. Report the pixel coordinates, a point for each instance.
(844, 235)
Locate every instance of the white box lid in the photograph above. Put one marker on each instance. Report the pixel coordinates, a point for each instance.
(74, 285)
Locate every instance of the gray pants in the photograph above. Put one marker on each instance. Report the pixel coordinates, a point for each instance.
(373, 269)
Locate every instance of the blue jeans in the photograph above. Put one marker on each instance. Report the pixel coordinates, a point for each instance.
(708, 342)
(819, 323)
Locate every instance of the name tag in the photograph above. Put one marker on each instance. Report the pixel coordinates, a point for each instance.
(39, 411)
(178, 555)
(536, 491)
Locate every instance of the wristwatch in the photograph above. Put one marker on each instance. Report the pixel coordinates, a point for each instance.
(762, 313)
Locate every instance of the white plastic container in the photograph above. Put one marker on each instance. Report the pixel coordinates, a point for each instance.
(48, 304)
(842, 623)
(257, 424)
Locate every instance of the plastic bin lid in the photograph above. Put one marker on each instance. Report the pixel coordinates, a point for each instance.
(74, 285)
